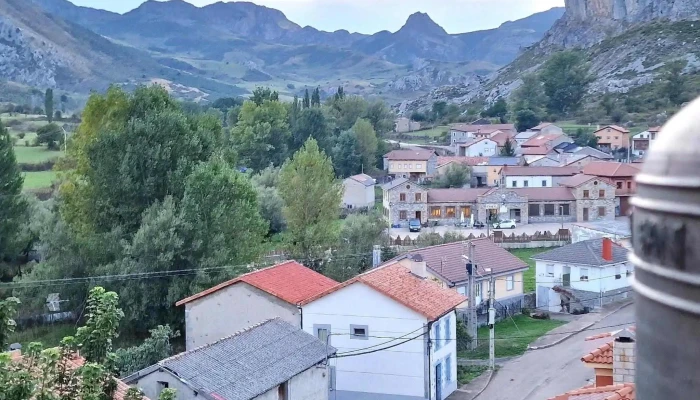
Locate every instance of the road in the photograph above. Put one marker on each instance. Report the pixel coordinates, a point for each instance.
(519, 230)
(542, 374)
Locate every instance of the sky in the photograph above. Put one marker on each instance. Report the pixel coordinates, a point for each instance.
(371, 16)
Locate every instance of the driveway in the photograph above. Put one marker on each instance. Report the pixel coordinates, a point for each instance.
(519, 230)
(542, 374)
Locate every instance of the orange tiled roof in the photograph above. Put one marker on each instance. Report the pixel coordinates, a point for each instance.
(397, 282)
(289, 281)
(623, 391)
(601, 355)
(613, 127)
(471, 161)
(611, 169)
(608, 334)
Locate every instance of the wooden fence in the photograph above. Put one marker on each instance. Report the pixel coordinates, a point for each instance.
(563, 235)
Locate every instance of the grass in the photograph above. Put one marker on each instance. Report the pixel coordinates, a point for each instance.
(433, 132)
(48, 335)
(467, 373)
(38, 180)
(35, 155)
(512, 336)
(529, 275)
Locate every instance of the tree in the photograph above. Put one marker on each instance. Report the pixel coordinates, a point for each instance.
(48, 104)
(565, 79)
(316, 98)
(260, 95)
(358, 236)
(529, 96)
(526, 119)
(675, 84)
(347, 158)
(380, 116)
(340, 94)
(418, 116)
(8, 309)
(508, 150)
(310, 123)
(155, 348)
(51, 135)
(366, 142)
(306, 103)
(312, 203)
(261, 134)
(582, 138)
(271, 209)
(226, 103)
(455, 176)
(12, 205)
(439, 108)
(103, 316)
(608, 104)
(499, 109)
(57, 115)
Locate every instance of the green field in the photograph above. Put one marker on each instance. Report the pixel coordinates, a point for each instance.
(529, 275)
(38, 180)
(35, 155)
(433, 132)
(512, 336)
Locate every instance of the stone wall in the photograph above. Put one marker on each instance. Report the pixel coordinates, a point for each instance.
(557, 217)
(432, 166)
(596, 300)
(410, 205)
(594, 201)
(495, 200)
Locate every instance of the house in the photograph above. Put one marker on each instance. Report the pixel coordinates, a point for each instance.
(522, 137)
(405, 125)
(366, 312)
(546, 128)
(612, 137)
(470, 131)
(270, 360)
(544, 161)
(589, 273)
(473, 147)
(621, 175)
(501, 138)
(358, 191)
(642, 141)
(413, 164)
(618, 230)
(445, 263)
(485, 170)
(249, 299)
(574, 149)
(514, 177)
(545, 140)
(581, 199)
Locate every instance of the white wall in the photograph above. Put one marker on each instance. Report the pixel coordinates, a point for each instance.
(151, 388)
(230, 310)
(311, 384)
(443, 333)
(484, 148)
(356, 194)
(455, 135)
(397, 371)
(533, 181)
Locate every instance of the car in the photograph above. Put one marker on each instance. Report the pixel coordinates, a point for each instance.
(479, 225)
(414, 225)
(506, 224)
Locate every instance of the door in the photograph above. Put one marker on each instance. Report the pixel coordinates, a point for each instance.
(419, 216)
(566, 276)
(438, 381)
(585, 214)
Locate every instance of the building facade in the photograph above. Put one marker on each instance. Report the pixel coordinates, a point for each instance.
(612, 137)
(415, 165)
(358, 191)
(642, 141)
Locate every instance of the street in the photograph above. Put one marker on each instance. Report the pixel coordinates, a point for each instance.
(542, 374)
(519, 230)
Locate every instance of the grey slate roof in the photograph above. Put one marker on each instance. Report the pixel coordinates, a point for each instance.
(587, 252)
(249, 363)
(396, 182)
(510, 161)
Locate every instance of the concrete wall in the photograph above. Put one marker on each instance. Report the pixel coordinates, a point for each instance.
(485, 148)
(230, 310)
(401, 371)
(357, 195)
(532, 181)
(151, 388)
(311, 384)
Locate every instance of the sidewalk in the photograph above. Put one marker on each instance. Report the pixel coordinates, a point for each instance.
(473, 388)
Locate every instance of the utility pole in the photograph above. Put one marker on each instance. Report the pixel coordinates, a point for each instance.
(471, 316)
(492, 322)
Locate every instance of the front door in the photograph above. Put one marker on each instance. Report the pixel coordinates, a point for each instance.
(419, 216)
(585, 214)
(438, 381)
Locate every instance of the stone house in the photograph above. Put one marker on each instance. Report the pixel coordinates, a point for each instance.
(471, 131)
(475, 147)
(358, 191)
(621, 176)
(404, 200)
(595, 197)
(404, 125)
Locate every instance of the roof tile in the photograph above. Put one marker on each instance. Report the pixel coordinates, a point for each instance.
(455, 195)
(601, 355)
(414, 155)
(611, 169)
(587, 252)
(624, 391)
(541, 139)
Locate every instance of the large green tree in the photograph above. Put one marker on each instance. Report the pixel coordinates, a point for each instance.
(499, 109)
(357, 238)
(674, 87)
(48, 104)
(310, 122)
(526, 119)
(366, 143)
(261, 134)
(454, 176)
(565, 79)
(51, 135)
(529, 96)
(380, 116)
(347, 157)
(312, 203)
(12, 204)
(508, 149)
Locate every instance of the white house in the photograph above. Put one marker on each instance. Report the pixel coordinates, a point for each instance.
(358, 191)
(519, 177)
(589, 273)
(394, 329)
(270, 360)
(476, 148)
(642, 141)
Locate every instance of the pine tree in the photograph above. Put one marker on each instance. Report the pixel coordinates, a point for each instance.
(48, 104)
(306, 103)
(316, 98)
(12, 205)
(508, 149)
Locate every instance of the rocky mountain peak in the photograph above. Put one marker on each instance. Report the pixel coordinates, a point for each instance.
(421, 23)
(632, 10)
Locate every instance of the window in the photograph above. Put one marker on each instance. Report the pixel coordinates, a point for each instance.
(514, 184)
(402, 196)
(405, 166)
(619, 185)
(419, 166)
(163, 385)
(526, 183)
(467, 212)
(584, 274)
(438, 331)
(608, 137)
(402, 214)
(601, 194)
(601, 211)
(435, 212)
(544, 183)
(550, 270)
(323, 333)
(629, 185)
(282, 391)
(448, 369)
(510, 283)
(418, 197)
(477, 289)
(410, 166)
(450, 212)
(399, 166)
(359, 332)
(549, 209)
(618, 273)
(616, 137)
(564, 209)
(446, 326)
(585, 194)
(533, 210)
(462, 290)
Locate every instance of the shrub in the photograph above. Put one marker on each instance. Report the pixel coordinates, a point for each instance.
(26, 143)
(21, 135)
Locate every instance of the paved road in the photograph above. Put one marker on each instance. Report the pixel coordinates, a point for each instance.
(519, 230)
(542, 374)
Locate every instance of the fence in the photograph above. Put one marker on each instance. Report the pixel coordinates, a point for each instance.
(503, 310)
(538, 239)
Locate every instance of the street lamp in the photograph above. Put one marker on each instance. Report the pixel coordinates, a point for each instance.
(561, 212)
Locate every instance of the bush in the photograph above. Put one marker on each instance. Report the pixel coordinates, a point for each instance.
(14, 141)
(21, 135)
(26, 143)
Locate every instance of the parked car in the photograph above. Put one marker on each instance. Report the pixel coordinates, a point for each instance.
(506, 224)
(479, 225)
(414, 225)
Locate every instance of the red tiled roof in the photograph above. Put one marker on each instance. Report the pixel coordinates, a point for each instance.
(545, 194)
(446, 259)
(471, 161)
(535, 151)
(576, 180)
(624, 391)
(614, 127)
(289, 281)
(479, 128)
(608, 334)
(610, 169)
(540, 171)
(411, 155)
(655, 129)
(397, 282)
(455, 195)
(541, 139)
(541, 126)
(601, 355)
(502, 137)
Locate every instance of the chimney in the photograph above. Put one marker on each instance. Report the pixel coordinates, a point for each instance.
(418, 266)
(376, 256)
(624, 357)
(607, 249)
